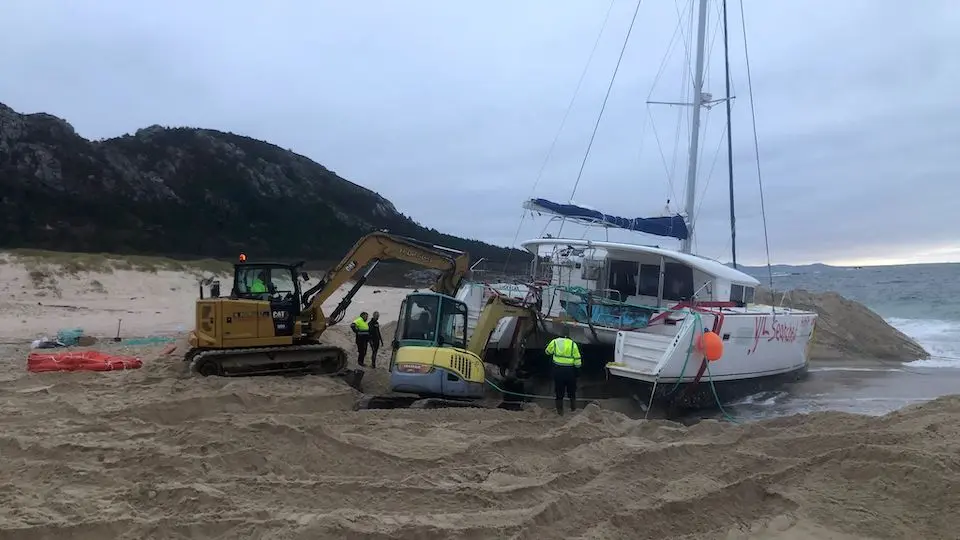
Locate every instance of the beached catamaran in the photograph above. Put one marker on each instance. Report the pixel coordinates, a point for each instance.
(647, 307)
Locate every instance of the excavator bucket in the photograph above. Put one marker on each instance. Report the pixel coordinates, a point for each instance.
(353, 378)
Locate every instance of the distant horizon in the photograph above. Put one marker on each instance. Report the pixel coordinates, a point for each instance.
(847, 265)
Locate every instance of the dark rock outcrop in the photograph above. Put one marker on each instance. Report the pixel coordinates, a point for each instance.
(185, 192)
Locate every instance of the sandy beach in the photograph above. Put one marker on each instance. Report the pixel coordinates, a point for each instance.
(158, 453)
(37, 299)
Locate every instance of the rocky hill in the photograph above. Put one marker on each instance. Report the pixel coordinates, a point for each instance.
(185, 192)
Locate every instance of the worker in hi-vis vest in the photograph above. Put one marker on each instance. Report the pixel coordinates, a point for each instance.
(566, 368)
(361, 330)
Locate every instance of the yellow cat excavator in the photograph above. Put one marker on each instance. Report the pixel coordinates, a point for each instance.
(267, 326)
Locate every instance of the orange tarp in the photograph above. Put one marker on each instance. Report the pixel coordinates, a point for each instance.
(80, 361)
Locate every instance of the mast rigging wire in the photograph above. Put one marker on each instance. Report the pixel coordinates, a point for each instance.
(756, 144)
(606, 97)
(563, 122)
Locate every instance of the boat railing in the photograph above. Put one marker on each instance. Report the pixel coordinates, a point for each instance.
(597, 308)
(607, 294)
(702, 287)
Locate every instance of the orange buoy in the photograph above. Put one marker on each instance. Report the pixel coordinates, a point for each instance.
(710, 345)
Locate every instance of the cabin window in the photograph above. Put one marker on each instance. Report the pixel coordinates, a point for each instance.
(649, 280)
(736, 293)
(677, 282)
(623, 279)
(453, 323)
(741, 295)
(421, 317)
(398, 333)
(277, 283)
(283, 284)
(591, 270)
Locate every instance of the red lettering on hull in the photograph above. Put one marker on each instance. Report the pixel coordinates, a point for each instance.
(770, 329)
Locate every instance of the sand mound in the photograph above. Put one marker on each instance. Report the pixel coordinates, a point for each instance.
(156, 453)
(848, 329)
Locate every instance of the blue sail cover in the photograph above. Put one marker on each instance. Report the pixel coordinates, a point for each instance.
(669, 226)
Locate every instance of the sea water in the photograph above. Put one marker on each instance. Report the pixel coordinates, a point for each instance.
(922, 301)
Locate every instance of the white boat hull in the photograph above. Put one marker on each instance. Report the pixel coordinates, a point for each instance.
(757, 342)
(760, 343)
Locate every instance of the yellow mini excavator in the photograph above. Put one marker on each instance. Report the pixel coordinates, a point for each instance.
(432, 360)
(267, 326)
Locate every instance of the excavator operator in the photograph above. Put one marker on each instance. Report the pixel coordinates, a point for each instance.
(259, 285)
(422, 328)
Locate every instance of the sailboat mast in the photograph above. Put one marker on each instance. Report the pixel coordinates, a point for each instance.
(726, 67)
(695, 126)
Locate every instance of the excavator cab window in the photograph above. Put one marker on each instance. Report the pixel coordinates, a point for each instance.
(453, 323)
(420, 318)
(431, 319)
(282, 284)
(266, 281)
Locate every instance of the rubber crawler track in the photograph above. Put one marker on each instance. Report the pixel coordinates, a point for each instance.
(198, 357)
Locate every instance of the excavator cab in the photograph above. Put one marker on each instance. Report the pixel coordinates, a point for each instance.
(261, 310)
(276, 283)
(430, 356)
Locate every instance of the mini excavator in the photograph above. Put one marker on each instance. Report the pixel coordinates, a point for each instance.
(432, 360)
(267, 326)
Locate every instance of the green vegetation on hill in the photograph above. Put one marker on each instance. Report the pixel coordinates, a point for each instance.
(186, 193)
(65, 263)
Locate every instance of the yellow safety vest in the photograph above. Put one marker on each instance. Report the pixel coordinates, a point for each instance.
(361, 326)
(565, 352)
(258, 287)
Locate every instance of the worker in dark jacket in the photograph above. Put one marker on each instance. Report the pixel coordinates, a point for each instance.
(376, 339)
(361, 330)
(566, 368)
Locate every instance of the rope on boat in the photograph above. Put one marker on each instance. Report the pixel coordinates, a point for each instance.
(518, 394)
(581, 291)
(699, 324)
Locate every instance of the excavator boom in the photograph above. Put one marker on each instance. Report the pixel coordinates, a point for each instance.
(368, 252)
(497, 308)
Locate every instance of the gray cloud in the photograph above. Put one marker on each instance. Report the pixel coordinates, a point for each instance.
(448, 108)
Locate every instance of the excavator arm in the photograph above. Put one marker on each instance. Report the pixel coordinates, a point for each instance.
(497, 308)
(368, 252)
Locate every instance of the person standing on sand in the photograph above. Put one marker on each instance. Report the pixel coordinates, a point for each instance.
(566, 368)
(376, 339)
(361, 330)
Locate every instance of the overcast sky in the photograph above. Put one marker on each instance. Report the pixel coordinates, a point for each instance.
(448, 108)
